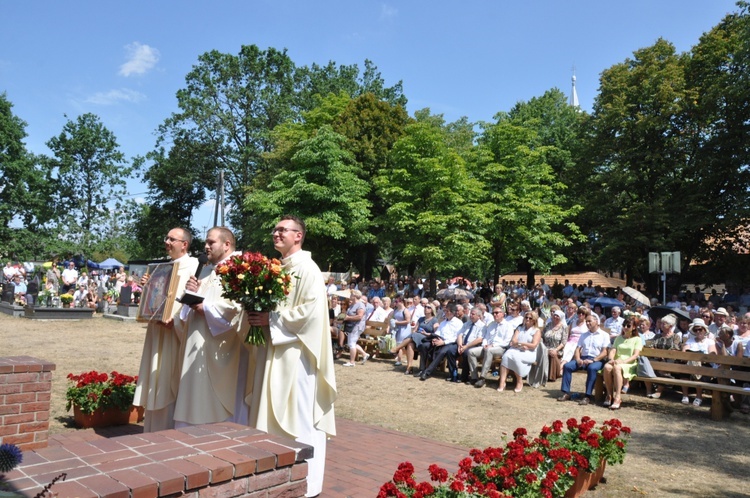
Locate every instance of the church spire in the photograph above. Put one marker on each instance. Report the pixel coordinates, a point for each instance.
(573, 94)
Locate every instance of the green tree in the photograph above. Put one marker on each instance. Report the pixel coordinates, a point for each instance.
(321, 185)
(91, 172)
(24, 189)
(717, 130)
(319, 81)
(638, 157)
(432, 211)
(529, 222)
(371, 127)
(228, 108)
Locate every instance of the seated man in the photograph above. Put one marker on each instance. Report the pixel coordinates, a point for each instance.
(79, 298)
(19, 290)
(495, 341)
(591, 350)
(469, 345)
(443, 342)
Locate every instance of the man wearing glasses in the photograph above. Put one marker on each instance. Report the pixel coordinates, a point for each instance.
(294, 385)
(495, 341)
(159, 373)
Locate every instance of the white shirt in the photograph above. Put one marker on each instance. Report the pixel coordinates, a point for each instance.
(449, 329)
(593, 343)
(498, 335)
(514, 322)
(70, 276)
(378, 314)
(614, 325)
(331, 289)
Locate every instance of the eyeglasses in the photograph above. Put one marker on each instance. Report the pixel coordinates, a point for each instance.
(497, 312)
(705, 316)
(172, 239)
(283, 230)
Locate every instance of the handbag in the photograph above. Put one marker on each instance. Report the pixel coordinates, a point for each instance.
(644, 368)
(349, 326)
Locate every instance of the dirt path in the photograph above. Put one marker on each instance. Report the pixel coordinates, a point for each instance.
(675, 450)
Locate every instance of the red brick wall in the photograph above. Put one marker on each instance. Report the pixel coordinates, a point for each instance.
(25, 385)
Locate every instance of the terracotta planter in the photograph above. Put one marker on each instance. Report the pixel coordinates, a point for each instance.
(586, 481)
(105, 418)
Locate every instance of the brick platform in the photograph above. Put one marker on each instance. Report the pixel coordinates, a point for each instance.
(224, 459)
(25, 385)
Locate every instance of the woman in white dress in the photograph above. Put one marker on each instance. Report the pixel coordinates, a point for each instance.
(522, 352)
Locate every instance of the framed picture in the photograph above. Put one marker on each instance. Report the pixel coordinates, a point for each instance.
(159, 293)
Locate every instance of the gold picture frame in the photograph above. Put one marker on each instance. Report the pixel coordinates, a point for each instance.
(159, 293)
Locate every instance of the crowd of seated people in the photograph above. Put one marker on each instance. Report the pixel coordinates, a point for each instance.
(530, 333)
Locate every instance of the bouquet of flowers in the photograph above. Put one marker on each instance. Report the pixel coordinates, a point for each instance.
(66, 298)
(257, 283)
(543, 466)
(94, 390)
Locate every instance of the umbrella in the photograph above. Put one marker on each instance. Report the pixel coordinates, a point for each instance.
(637, 295)
(659, 311)
(605, 302)
(456, 293)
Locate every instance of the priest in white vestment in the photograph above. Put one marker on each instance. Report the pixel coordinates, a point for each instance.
(214, 359)
(159, 373)
(294, 385)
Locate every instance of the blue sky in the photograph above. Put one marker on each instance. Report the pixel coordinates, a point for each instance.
(124, 61)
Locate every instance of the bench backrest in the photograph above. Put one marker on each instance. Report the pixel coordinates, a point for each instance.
(723, 372)
(375, 329)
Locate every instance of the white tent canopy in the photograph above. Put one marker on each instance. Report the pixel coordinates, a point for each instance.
(110, 264)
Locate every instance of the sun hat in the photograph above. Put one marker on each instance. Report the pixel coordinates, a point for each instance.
(698, 322)
(721, 311)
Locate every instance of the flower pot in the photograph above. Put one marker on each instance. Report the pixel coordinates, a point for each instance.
(66, 305)
(105, 418)
(586, 480)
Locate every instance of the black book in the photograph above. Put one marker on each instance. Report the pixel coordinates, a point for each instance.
(190, 298)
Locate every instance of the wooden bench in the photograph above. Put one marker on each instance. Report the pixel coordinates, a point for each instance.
(720, 391)
(369, 337)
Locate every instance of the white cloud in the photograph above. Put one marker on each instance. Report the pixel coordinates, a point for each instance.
(114, 96)
(387, 12)
(141, 58)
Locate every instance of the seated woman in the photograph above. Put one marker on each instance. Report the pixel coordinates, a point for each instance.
(669, 339)
(92, 299)
(522, 352)
(698, 342)
(555, 337)
(623, 356)
(644, 329)
(575, 333)
(426, 325)
(336, 324)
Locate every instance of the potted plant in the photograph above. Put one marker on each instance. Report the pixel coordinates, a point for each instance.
(100, 399)
(66, 299)
(555, 463)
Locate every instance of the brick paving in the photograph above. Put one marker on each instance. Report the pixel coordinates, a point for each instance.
(360, 458)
